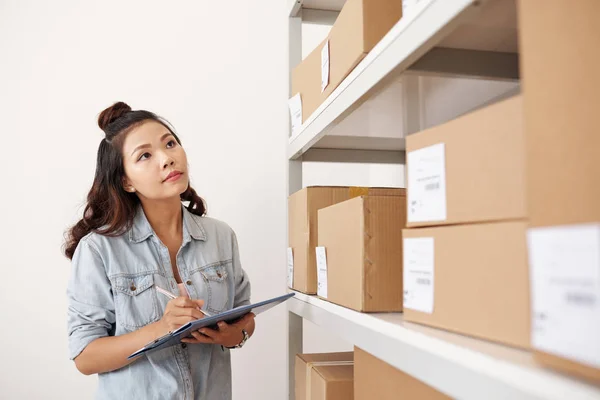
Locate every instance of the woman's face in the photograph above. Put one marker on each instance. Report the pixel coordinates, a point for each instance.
(155, 164)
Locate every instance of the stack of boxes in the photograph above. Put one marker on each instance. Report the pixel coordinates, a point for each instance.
(559, 69)
(355, 375)
(324, 376)
(498, 233)
(465, 256)
(358, 28)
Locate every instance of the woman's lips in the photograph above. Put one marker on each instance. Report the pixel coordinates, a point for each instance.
(173, 176)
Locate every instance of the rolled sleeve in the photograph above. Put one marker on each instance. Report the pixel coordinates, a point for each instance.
(90, 313)
(242, 282)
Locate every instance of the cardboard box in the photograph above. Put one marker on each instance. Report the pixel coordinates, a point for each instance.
(470, 279)
(561, 102)
(376, 379)
(358, 28)
(306, 363)
(470, 169)
(303, 222)
(363, 244)
(332, 382)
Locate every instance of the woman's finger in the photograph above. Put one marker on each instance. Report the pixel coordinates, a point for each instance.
(211, 333)
(190, 341)
(201, 338)
(223, 327)
(188, 312)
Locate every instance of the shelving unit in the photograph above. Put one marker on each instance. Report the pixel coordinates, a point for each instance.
(437, 37)
(474, 38)
(460, 366)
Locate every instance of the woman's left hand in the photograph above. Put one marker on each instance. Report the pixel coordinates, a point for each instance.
(227, 335)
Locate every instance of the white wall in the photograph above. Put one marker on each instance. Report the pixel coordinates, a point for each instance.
(217, 71)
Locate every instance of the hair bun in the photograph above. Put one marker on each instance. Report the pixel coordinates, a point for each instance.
(112, 113)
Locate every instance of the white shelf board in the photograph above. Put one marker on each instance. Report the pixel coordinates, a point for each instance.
(430, 23)
(325, 5)
(460, 366)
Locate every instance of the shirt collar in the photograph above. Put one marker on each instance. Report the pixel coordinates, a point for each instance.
(142, 230)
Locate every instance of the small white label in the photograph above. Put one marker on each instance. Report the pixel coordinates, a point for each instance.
(418, 274)
(427, 184)
(295, 105)
(565, 291)
(321, 272)
(290, 268)
(325, 66)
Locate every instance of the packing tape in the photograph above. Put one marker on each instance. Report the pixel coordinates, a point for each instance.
(356, 191)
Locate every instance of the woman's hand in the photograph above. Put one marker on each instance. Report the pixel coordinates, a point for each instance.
(179, 312)
(226, 335)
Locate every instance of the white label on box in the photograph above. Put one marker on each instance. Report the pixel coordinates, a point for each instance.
(321, 272)
(565, 291)
(290, 267)
(418, 274)
(325, 66)
(427, 184)
(295, 105)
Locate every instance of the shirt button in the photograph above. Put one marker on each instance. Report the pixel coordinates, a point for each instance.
(184, 345)
(189, 283)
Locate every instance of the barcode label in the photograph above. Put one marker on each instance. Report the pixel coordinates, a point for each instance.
(426, 176)
(565, 279)
(418, 274)
(432, 186)
(290, 264)
(582, 299)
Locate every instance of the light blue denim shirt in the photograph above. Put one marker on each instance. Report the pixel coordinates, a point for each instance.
(112, 292)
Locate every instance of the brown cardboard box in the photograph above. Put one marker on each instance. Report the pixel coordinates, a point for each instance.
(332, 382)
(303, 222)
(358, 28)
(305, 363)
(363, 244)
(481, 155)
(480, 280)
(559, 64)
(375, 379)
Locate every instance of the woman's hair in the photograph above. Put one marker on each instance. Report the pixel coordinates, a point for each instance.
(110, 209)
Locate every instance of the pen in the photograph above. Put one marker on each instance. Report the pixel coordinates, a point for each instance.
(172, 296)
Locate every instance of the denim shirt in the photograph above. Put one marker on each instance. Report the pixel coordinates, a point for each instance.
(112, 292)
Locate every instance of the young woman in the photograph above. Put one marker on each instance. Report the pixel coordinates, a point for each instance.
(135, 242)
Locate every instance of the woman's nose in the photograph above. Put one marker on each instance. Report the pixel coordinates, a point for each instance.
(168, 162)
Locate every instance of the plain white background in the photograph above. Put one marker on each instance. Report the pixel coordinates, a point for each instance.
(218, 72)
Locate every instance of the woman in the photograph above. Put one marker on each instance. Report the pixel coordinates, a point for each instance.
(135, 239)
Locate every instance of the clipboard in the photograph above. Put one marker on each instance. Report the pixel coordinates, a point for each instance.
(230, 316)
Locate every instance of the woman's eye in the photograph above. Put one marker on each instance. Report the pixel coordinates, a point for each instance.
(144, 156)
(171, 143)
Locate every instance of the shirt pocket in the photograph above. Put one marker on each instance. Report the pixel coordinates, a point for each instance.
(217, 287)
(136, 303)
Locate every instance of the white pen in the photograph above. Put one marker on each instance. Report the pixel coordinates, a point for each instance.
(172, 296)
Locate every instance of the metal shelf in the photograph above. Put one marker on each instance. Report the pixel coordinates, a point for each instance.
(294, 6)
(459, 366)
(473, 38)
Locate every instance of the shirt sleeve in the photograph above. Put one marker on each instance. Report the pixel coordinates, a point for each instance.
(242, 283)
(91, 312)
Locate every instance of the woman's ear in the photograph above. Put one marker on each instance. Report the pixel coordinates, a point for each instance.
(128, 186)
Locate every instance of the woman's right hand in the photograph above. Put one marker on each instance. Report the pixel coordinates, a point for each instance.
(180, 311)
